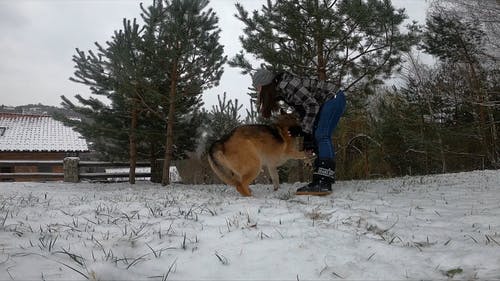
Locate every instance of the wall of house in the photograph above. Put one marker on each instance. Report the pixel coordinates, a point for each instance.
(32, 155)
(44, 168)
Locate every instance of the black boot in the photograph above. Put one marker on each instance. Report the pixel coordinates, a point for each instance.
(323, 178)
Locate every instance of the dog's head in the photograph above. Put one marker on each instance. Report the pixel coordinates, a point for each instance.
(286, 120)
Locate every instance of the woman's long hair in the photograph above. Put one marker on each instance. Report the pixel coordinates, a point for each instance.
(267, 102)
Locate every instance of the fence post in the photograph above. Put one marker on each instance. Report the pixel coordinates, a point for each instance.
(70, 167)
(156, 171)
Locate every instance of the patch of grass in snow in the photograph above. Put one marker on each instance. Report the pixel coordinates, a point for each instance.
(452, 272)
(316, 214)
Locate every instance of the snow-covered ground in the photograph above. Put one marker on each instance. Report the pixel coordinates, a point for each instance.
(430, 227)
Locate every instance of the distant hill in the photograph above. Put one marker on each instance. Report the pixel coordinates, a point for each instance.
(38, 109)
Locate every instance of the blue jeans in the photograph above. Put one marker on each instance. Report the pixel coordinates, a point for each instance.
(326, 122)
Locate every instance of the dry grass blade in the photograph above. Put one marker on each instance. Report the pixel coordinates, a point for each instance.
(183, 245)
(76, 270)
(47, 242)
(136, 260)
(222, 258)
(165, 276)
(282, 237)
(337, 275)
(394, 238)
(489, 238)
(76, 258)
(473, 239)
(157, 255)
(4, 219)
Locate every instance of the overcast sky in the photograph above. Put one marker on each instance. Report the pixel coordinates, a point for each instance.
(38, 39)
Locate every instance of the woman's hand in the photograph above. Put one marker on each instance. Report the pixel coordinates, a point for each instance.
(309, 143)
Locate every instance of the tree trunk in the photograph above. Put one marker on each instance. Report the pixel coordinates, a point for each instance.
(494, 136)
(170, 127)
(320, 43)
(488, 135)
(133, 143)
(321, 61)
(437, 128)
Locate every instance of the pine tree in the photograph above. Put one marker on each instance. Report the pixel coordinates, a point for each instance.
(117, 73)
(104, 124)
(343, 41)
(354, 44)
(460, 43)
(485, 12)
(188, 39)
(153, 77)
(124, 63)
(221, 119)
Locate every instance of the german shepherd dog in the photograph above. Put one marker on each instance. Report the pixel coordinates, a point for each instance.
(238, 157)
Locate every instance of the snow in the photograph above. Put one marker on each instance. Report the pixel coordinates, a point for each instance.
(428, 227)
(27, 132)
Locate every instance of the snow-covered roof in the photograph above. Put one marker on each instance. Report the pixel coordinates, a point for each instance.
(22, 132)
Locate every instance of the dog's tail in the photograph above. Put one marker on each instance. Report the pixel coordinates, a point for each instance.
(220, 166)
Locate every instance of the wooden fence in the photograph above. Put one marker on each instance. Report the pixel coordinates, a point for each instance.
(74, 170)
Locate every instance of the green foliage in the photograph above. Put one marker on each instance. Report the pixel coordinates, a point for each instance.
(452, 272)
(134, 73)
(442, 119)
(343, 41)
(396, 119)
(430, 125)
(450, 37)
(355, 44)
(221, 120)
(102, 126)
(462, 46)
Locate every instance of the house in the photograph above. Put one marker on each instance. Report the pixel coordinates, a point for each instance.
(28, 138)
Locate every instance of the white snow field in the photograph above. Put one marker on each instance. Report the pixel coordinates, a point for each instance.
(426, 227)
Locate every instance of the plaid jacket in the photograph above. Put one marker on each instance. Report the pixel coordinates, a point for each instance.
(305, 95)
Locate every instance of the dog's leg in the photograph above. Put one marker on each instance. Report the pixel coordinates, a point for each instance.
(244, 190)
(248, 178)
(249, 170)
(273, 172)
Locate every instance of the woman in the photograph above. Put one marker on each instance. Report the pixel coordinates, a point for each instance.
(319, 104)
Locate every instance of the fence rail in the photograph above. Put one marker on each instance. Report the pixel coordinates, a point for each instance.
(112, 175)
(102, 164)
(34, 174)
(74, 169)
(7, 163)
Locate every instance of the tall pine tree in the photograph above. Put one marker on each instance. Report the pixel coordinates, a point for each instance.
(188, 38)
(461, 43)
(153, 77)
(343, 41)
(354, 44)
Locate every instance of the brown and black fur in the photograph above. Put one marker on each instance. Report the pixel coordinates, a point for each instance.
(238, 157)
